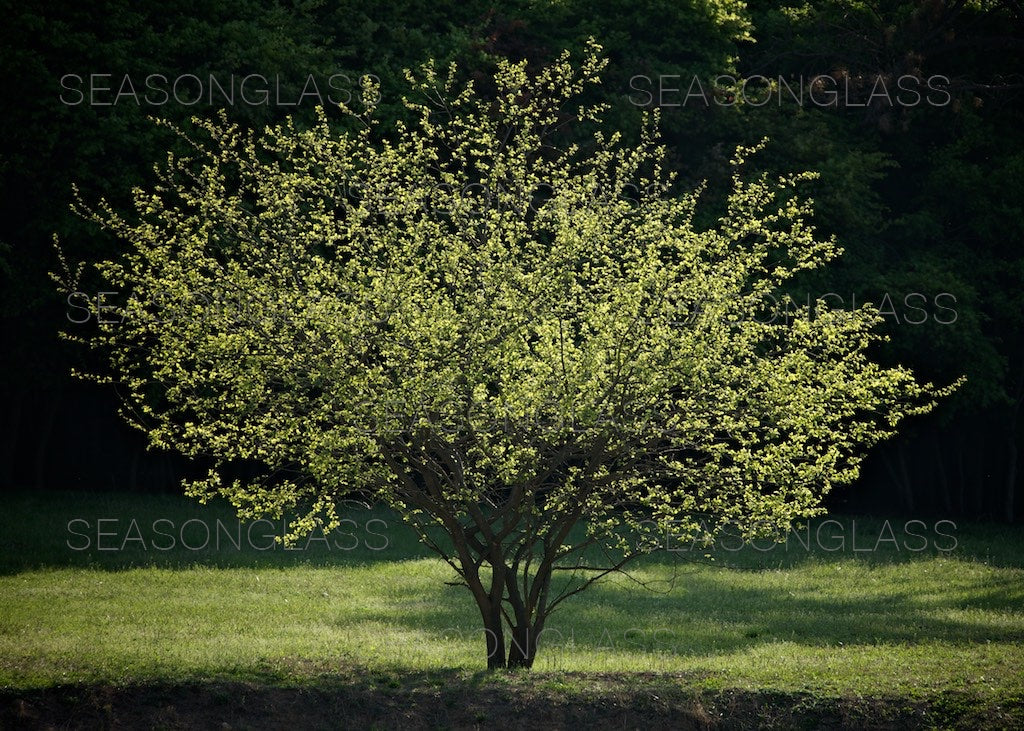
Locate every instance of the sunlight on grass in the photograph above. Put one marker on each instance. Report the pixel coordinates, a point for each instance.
(832, 623)
(770, 629)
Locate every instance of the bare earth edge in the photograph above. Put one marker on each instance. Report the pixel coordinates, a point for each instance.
(446, 699)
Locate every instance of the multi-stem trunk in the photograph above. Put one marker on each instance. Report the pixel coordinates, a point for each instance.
(523, 636)
(494, 635)
(523, 648)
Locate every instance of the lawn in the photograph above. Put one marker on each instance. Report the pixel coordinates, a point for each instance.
(880, 622)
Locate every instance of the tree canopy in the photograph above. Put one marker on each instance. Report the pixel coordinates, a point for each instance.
(522, 343)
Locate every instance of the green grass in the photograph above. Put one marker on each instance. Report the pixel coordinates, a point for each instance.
(890, 623)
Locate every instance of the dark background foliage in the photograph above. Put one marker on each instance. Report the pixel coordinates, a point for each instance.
(925, 197)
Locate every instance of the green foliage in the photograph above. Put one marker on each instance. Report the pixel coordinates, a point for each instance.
(497, 336)
(64, 125)
(923, 197)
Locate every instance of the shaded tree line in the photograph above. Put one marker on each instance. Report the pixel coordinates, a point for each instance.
(925, 198)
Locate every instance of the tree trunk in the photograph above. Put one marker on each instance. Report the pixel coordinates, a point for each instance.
(961, 503)
(523, 649)
(1010, 494)
(9, 443)
(41, 463)
(494, 635)
(1009, 502)
(942, 477)
(900, 478)
(133, 470)
(908, 485)
(979, 486)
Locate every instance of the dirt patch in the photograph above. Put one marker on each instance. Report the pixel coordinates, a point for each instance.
(460, 701)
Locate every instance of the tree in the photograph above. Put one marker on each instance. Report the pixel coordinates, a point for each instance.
(926, 198)
(525, 349)
(86, 76)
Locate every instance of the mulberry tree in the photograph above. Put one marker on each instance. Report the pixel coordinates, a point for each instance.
(522, 344)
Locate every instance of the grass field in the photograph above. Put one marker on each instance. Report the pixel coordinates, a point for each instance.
(109, 599)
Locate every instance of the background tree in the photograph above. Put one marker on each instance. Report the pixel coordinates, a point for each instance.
(924, 198)
(55, 433)
(501, 338)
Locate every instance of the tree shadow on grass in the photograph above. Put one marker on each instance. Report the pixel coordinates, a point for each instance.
(113, 532)
(354, 697)
(710, 613)
(868, 539)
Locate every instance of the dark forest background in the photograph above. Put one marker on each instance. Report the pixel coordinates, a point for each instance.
(925, 194)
